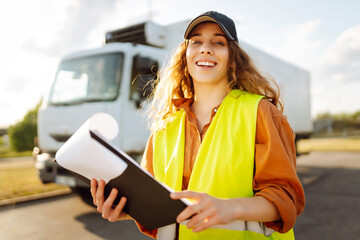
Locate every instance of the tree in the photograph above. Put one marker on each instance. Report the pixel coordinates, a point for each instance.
(23, 133)
(322, 116)
(356, 115)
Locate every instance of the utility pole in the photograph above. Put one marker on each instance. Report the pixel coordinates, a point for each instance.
(150, 16)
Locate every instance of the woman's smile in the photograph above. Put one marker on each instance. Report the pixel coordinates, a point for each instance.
(206, 64)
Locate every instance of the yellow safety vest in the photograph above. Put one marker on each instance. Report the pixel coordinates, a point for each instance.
(224, 165)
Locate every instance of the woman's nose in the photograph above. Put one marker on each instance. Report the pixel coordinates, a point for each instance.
(206, 49)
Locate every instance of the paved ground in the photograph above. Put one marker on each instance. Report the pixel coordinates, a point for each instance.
(332, 187)
(331, 182)
(61, 218)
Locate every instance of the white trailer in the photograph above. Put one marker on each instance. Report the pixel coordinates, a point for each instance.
(294, 84)
(102, 80)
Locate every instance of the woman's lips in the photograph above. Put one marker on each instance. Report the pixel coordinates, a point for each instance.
(205, 64)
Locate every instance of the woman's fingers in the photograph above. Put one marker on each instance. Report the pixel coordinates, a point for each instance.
(107, 206)
(191, 210)
(93, 190)
(188, 194)
(100, 195)
(207, 212)
(203, 216)
(117, 213)
(207, 223)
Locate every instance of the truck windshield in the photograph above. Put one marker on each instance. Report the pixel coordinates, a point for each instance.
(87, 79)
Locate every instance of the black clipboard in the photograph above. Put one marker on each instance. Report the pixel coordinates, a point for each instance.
(148, 201)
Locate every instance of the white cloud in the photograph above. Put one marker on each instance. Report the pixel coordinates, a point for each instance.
(334, 68)
(341, 62)
(41, 31)
(346, 47)
(300, 45)
(336, 76)
(241, 23)
(24, 60)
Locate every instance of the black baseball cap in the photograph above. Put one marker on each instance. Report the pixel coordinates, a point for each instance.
(226, 24)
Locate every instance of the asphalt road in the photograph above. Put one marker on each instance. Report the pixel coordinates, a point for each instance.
(60, 218)
(331, 182)
(332, 189)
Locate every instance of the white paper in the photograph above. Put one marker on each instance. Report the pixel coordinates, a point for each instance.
(87, 157)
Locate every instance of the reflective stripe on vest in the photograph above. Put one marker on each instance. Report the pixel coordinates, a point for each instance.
(224, 165)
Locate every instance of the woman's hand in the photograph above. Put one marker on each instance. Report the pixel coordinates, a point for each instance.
(206, 212)
(105, 206)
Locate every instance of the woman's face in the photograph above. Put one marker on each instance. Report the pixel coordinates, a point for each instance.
(207, 55)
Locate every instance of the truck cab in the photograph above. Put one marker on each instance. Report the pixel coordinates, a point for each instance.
(115, 78)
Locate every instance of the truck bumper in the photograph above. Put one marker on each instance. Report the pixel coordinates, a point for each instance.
(50, 172)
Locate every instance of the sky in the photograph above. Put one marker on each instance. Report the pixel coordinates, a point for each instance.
(322, 37)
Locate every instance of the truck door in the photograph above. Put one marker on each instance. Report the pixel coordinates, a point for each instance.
(143, 74)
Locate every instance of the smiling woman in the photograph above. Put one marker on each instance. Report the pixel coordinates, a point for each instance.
(219, 138)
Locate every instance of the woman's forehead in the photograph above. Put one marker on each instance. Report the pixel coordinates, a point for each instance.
(211, 27)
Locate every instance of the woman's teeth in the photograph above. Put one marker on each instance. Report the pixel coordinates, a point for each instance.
(208, 64)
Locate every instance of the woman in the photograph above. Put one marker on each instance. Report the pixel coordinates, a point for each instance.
(219, 138)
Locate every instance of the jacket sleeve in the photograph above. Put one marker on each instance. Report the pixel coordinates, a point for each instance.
(275, 176)
(147, 164)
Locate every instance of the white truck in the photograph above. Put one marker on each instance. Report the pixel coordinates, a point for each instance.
(112, 79)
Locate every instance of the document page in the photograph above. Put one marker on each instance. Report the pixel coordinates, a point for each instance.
(85, 156)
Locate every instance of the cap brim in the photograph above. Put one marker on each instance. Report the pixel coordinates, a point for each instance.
(202, 19)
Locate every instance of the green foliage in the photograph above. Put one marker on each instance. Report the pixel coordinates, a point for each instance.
(337, 125)
(23, 133)
(356, 115)
(322, 116)
(339, 116)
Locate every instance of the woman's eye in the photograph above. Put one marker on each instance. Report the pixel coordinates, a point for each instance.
(196, 42)
(219, 43)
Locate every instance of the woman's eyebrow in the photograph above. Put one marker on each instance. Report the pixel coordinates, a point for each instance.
(220, 34)
(194, 35)
(198, 34)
